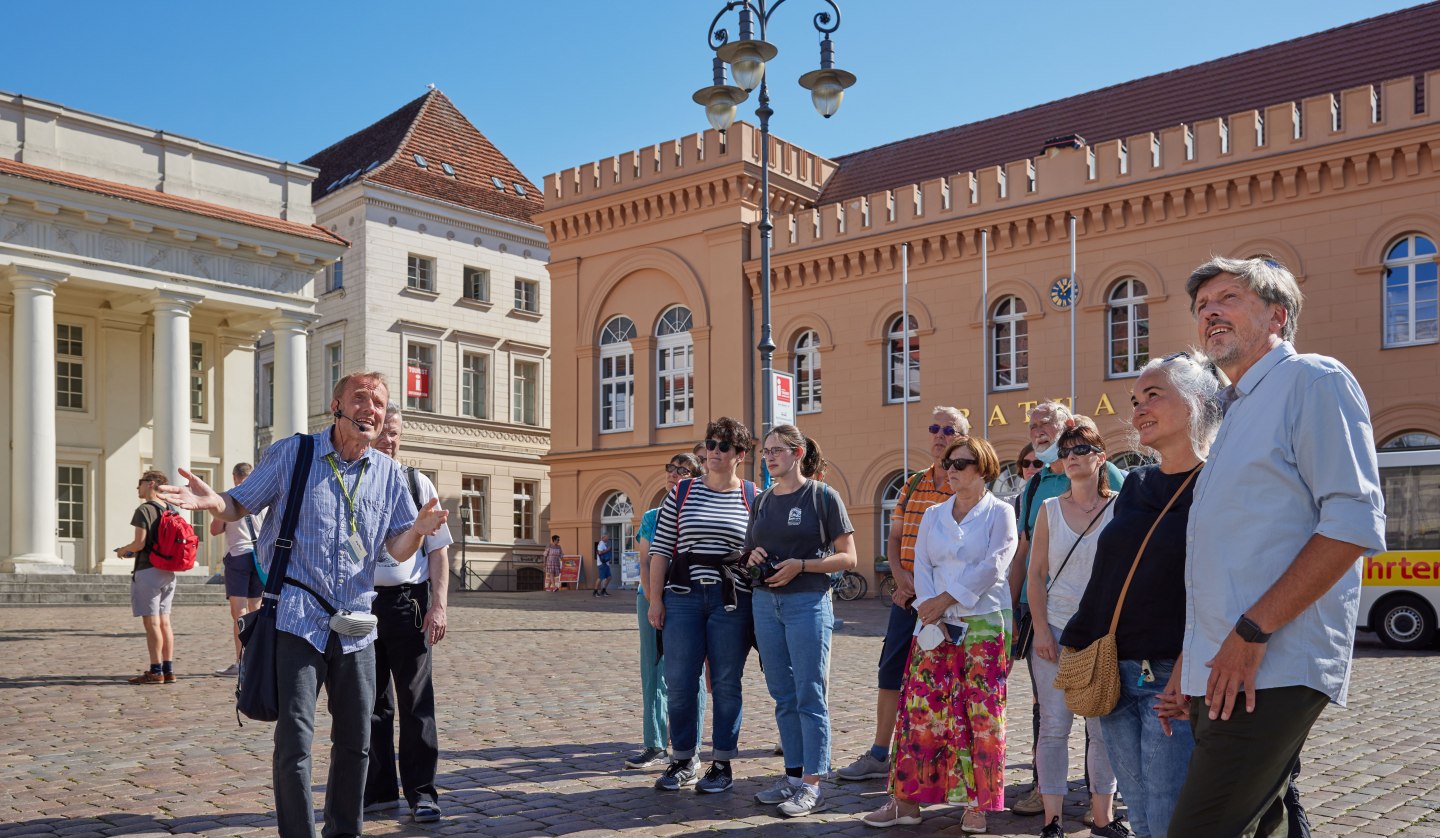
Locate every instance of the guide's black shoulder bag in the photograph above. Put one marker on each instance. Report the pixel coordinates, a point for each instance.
(257, 692)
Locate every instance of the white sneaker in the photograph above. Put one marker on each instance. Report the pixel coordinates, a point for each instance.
(231, 671)
(782, 791)
(806, 799)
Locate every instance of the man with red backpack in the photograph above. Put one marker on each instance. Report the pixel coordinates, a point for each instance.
(152, 590)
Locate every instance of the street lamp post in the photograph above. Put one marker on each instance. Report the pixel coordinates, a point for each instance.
(747, 58)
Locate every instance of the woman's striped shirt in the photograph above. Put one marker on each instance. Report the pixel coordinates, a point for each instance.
(711, 524)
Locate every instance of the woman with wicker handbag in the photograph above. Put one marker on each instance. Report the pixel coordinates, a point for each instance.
(1176, 415)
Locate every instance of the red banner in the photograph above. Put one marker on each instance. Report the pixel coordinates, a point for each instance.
(417, 382)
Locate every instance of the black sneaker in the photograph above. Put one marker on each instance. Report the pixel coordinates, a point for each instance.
(1053, 829)
(717, 779)
(681, 773)
(1116, 828)
(648, 758)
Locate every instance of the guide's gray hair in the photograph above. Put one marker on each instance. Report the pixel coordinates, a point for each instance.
(1269, 279)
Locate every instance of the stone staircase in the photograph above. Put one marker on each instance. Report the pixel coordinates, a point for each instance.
(98, 589)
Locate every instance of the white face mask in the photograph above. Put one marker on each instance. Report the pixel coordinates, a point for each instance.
(1049, 455)
(930, 637)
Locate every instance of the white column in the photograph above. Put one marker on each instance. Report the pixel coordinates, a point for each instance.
(170, 386)
(34, 513)
(289, 329)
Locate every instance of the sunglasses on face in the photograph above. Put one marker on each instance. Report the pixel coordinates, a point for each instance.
(1082, 449)
(724, 447)
(1030, 463)
(948, 430)
(957, 464)
(680, 470)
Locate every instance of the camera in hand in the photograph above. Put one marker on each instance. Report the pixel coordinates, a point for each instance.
(761, 572)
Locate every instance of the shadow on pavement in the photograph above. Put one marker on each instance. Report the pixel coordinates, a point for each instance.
(141, 824)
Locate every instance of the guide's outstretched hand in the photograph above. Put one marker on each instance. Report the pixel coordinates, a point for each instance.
(195, 494)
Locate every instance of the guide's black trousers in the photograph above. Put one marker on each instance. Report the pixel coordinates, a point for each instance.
(402, 658)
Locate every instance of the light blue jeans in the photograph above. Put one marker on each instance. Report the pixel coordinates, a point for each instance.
(655, 714)
(1150, 766)
(1052, 752)
(792, 631)
(700, 632)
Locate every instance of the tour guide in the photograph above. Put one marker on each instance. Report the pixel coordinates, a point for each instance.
(356, 505)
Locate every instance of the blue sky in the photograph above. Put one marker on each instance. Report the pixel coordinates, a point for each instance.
(556, 83)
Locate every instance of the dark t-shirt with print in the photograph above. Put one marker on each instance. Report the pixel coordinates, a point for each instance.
(787, 527)
(147, 515)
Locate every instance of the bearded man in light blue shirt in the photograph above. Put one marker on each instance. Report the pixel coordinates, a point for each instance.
(1287, 504)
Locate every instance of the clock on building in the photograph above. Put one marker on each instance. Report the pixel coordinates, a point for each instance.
(1062, 292)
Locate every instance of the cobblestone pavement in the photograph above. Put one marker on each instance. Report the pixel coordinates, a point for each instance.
(537, 712)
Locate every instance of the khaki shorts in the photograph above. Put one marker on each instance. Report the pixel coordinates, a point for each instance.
(151, 592)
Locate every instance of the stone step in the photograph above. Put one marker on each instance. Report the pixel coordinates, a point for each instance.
(97, 589)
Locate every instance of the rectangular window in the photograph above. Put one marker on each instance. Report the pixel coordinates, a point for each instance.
(675, 381)
(473, 492)
(265, 397)
(70, 483)
(474, 390)
(525, 397)
(617, 387)
(334, 362)
(526, 494)
(335, 275)
(527, 295)
(420, 273)
(477, 284)
(69, 367)
(419, 377)
(197, 381)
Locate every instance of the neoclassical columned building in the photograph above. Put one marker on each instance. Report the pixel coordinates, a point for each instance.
(1322, 152)
(139, 268)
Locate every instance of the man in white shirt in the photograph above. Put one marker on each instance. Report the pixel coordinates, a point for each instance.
(410, 600)
(243, 581)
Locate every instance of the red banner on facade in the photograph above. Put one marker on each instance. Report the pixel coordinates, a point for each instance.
(417, 382)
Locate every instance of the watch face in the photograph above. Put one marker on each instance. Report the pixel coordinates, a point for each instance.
(1062, 293)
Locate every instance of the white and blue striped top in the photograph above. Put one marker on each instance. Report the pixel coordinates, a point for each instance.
(711, 524)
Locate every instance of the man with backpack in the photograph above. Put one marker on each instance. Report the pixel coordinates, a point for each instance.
(410, 600)
(152, 590)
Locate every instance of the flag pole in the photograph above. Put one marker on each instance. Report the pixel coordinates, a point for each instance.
(905, 332)
(1074, 303)
(984, 332)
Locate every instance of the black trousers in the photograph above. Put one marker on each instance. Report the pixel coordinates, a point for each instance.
(402, 658)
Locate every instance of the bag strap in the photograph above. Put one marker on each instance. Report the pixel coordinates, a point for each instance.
(749, 491)
(1031, 489)
(329, 609)
(1124, 589)
(410, 472)
(910, 490)
(285, 540)
(1056, 575)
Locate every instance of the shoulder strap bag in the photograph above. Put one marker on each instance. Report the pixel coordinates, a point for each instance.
(1090, 677)
(1024, 633)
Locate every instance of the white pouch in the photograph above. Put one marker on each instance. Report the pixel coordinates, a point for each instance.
(353, 625)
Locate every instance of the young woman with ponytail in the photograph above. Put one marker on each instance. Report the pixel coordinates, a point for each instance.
(799, 534)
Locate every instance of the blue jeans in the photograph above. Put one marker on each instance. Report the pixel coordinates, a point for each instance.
(697, 629)
(655, 715)
(1149, 765)
(792, 631)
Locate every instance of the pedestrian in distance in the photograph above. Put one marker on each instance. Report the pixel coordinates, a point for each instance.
(1287, 504)
(355, 504)
(152, 590)
(410, 602)
(922, 490)
(705, 613)
(950, 738)
(243, 580)
(554, 562)
(602, 568)
(1176, 415)
(654, 712)
(799, 534)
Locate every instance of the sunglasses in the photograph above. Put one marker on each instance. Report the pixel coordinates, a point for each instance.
(948, 430)
(724, 447)
(1082, 449)
(1030, 463)
(1172, 356)
(680, 470)
(958, 464)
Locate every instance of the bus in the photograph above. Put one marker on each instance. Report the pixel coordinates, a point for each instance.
(1400, 588)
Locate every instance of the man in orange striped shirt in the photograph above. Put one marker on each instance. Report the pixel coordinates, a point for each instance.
(922, 490)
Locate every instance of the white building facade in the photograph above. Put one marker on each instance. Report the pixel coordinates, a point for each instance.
(137, 269)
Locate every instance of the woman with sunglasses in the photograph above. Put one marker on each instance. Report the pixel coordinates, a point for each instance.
(800, 533)
(704, 613)
(654, 715)
(1176, 415)
(1061, 558)
(950, 735)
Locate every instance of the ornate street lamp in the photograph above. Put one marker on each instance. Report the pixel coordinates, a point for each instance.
(747, 58)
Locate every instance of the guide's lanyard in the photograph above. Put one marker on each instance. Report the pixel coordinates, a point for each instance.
(349, 500)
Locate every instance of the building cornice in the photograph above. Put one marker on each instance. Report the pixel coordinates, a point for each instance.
(454, 215)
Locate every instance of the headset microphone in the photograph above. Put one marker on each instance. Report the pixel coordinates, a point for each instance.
(364, 429)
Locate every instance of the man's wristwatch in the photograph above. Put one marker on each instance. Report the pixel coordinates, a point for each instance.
(1249, 630)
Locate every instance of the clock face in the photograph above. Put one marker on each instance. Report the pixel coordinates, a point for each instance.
(1062, 293)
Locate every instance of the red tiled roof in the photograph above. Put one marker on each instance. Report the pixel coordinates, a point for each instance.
(141, 195)
(433, 128)
(1391, 46)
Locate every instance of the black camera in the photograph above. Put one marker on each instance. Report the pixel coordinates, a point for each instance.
(761, 571)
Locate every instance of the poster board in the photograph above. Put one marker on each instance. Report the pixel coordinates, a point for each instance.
(629, 569)
(570, 571)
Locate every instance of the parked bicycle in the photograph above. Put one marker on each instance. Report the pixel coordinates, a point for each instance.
(849, 586)
(887, 584)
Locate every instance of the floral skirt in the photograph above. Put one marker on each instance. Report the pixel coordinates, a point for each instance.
(950, 735)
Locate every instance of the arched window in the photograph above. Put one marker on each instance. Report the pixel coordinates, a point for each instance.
(1411, 439)
(617, 524)
(1011, 345)
(617, 376)
(807, 372)
(1412, 309)
(1129, 325)
(674, 369)
(889, 499)
(897, 353)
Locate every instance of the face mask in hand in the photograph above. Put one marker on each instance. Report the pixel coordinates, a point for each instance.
(1049, 455)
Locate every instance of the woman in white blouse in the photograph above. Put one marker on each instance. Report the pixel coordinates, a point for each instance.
(950, 735)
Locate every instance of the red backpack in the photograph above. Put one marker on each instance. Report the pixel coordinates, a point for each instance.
(175, 542)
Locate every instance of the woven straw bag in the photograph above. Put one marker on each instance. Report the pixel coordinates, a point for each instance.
(1090, 677)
